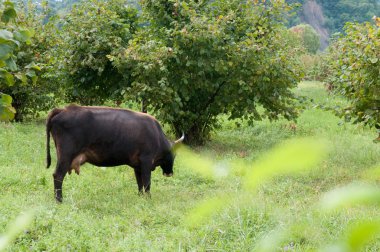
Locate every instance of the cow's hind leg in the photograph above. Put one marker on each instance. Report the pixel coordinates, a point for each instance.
(139, 181)
(59, 175)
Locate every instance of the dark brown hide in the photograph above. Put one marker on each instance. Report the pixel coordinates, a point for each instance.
(107, 137)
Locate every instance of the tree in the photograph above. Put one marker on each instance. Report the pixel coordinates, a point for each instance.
(195, 60)
(308, 36)
(14, 39)
(42, 93)
(92, 32)
(355, 64)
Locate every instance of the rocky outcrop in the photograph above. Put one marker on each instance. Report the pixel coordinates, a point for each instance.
(313, 14)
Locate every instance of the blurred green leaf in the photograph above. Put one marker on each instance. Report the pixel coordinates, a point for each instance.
(5, 99)
(33, 66)
(8, 15)
(20, 224)
(23, 35)
(271, 241)
(7, 112)
(357, 237)
(22, 77)
(350, 195)
(11, 64)
(9, 12)
(205, 210)
(7, 77)
(5, 51)
(289, 157)
(5, 36)
(362, 233)
(197, 163)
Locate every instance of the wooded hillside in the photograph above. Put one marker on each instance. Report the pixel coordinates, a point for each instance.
(329, 16)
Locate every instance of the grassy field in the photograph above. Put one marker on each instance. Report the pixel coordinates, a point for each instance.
(102, 211)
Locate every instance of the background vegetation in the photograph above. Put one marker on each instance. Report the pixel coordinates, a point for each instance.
(354, 65)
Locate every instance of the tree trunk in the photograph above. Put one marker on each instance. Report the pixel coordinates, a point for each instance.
(143, 106)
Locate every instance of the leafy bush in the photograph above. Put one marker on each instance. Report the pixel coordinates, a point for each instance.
(308, 37)
(195, 61)
(314, 66)
(91, 32)
(16, 70)
(355, 64)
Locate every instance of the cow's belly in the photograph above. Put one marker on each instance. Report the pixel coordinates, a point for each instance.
(104, 159)
(108, 163)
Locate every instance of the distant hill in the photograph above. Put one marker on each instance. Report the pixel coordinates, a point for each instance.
(325, 16)
(329, 16)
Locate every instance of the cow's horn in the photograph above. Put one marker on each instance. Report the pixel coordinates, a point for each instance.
(180, 140)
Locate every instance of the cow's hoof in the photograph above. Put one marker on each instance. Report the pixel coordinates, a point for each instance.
(148, 195)
(59, 199)
(144, 194)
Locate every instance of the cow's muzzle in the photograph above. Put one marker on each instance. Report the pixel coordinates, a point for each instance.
(168, 174)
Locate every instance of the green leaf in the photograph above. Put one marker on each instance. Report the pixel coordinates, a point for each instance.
(362, 233)
(23, 35)
(6, 113)
(34, 66)
(30, 73)
(6, 110)
(19, 225)
(34, 80)
(8, 77)
(8, 14)
(354, 194)
(373, 60)
(5, 99)
(5, 35)
(200, 165)
(205, 210)
(290, 157)
(11, 64)
(5, 51)
(22, 77)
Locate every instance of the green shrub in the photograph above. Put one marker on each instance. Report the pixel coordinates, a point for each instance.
(355, 63)
(195, 61)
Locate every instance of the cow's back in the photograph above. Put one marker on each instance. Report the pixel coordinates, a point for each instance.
(111, 136)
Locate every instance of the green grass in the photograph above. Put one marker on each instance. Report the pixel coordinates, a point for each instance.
(102, 211)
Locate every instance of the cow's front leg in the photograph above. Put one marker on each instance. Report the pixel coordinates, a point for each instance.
(146, 180)
(139, 181)
(146, 170)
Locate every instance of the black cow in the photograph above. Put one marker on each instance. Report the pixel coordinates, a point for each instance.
(106, 136)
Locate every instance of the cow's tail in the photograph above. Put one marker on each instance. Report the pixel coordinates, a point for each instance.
(53, 113)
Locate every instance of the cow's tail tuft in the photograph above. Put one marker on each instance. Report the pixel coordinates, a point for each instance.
(53, 113)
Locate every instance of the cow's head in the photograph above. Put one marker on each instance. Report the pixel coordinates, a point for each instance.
(168, 161)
